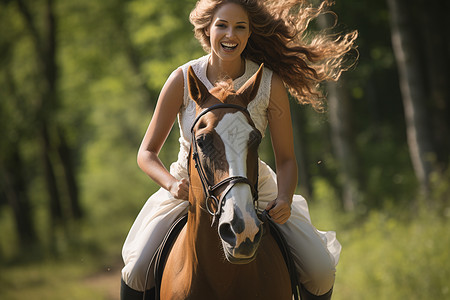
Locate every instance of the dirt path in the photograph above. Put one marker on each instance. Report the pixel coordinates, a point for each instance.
(106, 282)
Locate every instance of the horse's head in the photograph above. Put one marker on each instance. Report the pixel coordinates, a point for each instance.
(225, 151)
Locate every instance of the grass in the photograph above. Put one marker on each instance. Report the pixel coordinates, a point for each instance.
(68, 280)
(86, 266)
(395, 253)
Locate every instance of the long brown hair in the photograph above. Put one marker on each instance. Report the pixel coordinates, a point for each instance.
(279, 40)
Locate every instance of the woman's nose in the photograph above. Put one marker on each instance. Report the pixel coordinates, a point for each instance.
(230, 32)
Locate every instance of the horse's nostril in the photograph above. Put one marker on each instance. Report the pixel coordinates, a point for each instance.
(227, 234)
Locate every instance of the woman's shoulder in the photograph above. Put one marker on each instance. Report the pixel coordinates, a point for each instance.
(179, 77)
(277, 82)
(253, 67)
(272, 85)
(278, 89)
(195, 63)
(175, 80)
(179, 74)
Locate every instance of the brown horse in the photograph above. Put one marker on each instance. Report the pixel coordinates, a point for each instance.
(235, 258)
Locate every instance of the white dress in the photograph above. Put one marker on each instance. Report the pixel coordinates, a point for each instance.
(315, 253)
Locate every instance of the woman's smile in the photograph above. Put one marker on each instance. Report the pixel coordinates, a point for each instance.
(227, 46)
(229, 31)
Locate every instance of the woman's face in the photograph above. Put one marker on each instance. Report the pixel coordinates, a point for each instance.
(229, 31)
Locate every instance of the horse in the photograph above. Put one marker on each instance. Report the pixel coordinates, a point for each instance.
(224, 251)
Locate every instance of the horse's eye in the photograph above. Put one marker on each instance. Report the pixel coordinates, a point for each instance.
(202, 124)
(203, 140)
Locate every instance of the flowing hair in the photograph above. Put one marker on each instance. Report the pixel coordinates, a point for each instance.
(280, 40)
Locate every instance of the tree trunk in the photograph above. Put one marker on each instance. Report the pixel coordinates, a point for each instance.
(55, 149)
(412, 86)
(340, 116)
(339, 109)
(435, 30)
(65, 156)
(55, 208)
(15, 189)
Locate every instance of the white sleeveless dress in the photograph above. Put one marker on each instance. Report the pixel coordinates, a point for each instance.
(315, 252)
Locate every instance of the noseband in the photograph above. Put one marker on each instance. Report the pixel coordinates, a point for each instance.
(209, 190)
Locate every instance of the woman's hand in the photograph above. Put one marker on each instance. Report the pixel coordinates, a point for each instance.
(279, 210)
(180, 189)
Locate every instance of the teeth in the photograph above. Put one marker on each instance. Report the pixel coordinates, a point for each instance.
(229, 45)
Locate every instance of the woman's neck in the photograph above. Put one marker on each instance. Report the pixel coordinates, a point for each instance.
(219, 69)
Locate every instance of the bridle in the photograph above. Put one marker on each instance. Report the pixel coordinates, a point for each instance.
(213, 205)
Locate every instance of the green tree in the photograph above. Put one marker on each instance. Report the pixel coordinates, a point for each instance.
(422, 67)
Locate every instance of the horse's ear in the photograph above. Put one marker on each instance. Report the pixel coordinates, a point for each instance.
(250, 88)
(197, 90)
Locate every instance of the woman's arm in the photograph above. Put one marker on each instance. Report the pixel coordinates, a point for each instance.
(280, 125)
(169, 103)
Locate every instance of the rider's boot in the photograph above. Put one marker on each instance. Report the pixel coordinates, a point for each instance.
(306, 295)
(127, 293)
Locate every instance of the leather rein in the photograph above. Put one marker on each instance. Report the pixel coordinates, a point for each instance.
(213, 204)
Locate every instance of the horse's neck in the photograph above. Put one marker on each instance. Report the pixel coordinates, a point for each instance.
(203, 239)
(202, 252)
(205, 258)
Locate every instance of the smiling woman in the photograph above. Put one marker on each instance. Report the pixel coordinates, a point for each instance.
(278, 40)
(238, 36)
(228, 34)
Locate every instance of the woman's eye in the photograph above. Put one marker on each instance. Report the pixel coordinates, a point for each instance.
(220, 25)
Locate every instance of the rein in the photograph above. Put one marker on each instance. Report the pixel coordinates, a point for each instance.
(212, 203)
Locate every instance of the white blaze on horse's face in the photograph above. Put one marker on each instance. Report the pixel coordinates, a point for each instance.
(239, 226)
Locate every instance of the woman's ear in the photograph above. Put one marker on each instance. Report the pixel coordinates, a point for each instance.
(206, 30)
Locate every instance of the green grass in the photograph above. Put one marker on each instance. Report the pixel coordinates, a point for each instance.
(49, 280)
(396, 253)
(86, 264)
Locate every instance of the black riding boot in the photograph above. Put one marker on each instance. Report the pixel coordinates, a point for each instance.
(306, 295)
(127, 293)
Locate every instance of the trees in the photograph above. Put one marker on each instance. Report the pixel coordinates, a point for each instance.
(422, 54)
(56, 56)
(79, 80)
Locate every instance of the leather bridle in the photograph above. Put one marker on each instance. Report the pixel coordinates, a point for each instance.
(213, 204)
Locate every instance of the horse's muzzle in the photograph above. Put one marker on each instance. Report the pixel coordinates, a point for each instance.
(240, 245)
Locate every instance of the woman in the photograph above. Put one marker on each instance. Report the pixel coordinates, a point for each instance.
(238, 35)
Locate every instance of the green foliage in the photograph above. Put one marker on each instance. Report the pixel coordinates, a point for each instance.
(387, 258)
(389, 254)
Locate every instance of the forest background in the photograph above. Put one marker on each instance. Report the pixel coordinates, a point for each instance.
(79, 81)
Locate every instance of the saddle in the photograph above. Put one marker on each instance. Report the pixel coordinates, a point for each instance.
(162, 253)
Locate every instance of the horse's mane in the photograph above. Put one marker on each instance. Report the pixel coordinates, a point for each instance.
(223, 88)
